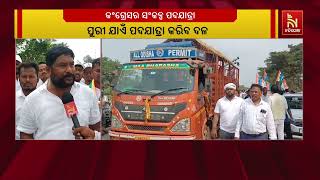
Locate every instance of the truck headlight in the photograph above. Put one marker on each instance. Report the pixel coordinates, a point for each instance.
(115, 122)
(182, 126)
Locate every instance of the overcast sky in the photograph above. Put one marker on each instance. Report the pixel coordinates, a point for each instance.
(83, 47)
(252, 52)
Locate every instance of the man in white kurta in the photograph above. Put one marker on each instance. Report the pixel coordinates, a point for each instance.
(225, 112)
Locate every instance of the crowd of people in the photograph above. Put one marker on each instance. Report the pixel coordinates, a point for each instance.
(40, 112)
(252, 116)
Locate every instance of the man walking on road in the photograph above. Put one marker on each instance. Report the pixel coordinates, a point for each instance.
(255, 119)
(279, 108)
(226, 110)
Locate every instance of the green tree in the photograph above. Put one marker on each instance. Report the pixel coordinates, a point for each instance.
(35, 50)
(289, 63)
(87, 59)
(110, 71)
(243, 87)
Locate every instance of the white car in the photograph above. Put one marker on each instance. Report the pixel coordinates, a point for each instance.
(295, 103)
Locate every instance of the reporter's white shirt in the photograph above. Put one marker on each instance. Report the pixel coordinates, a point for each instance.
(228, 111)
(252, 121)
(44, 116)
(20, 98)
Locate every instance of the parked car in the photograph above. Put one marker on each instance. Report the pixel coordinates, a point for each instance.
(295, 103)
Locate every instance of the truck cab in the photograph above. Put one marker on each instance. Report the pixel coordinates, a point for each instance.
(164, 93)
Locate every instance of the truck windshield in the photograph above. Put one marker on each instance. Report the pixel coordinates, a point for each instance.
(151, 78)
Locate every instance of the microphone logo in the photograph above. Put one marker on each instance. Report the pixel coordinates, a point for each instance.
(71, 109)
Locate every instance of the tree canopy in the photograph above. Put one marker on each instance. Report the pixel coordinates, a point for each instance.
(289, 62)
(87, 59)
(35, 50)
(110, 68)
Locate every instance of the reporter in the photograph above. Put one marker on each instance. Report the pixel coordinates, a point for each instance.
(43, 115)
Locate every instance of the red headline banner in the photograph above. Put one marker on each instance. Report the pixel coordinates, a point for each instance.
(150, 15)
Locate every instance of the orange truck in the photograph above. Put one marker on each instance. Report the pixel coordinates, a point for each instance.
(168, 91)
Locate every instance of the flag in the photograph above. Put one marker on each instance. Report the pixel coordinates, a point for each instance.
(280, 76)
(263, 83)
(92, 86)
(268, 86)
(265, 75)
(260, 81)
(285, 84)
(280, 79)
(257, 78)
(282, 87)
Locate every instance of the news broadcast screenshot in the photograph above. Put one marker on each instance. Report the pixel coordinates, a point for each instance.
(159, 90)
(177, 78)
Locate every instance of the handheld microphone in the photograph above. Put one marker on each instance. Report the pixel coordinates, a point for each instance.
(71, 108)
